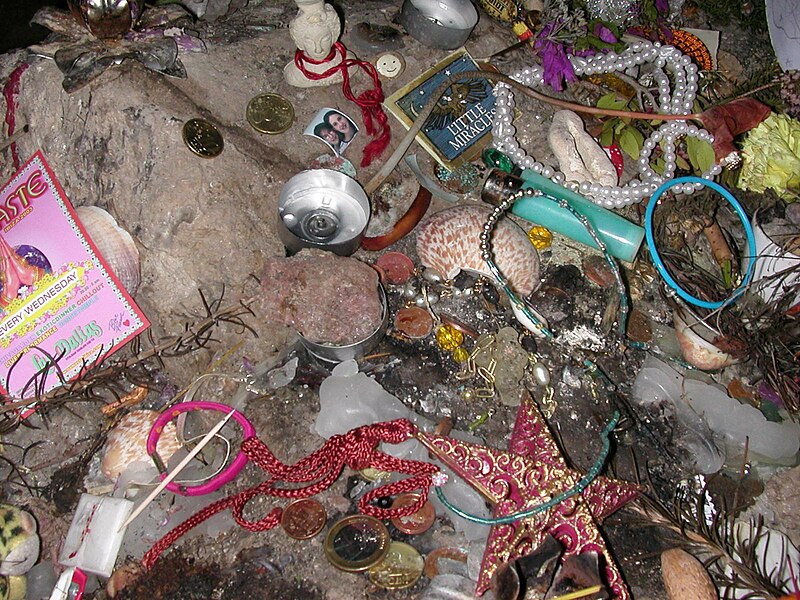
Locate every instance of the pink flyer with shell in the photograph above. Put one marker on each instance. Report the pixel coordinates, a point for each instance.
(61, 307)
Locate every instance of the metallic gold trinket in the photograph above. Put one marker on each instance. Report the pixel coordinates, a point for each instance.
(401, 568)
(203, 138)
(357, 543)
(373, 474)
(270, 113)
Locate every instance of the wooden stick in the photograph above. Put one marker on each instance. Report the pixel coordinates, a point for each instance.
(581, 593)
(172, 475)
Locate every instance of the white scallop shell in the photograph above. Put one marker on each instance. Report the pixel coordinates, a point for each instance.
(114, 243)
(127, 443)
(449, 241)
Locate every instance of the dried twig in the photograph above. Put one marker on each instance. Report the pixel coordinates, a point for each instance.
(107, 375)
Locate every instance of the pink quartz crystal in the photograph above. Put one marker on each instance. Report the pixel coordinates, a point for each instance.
(328, 299)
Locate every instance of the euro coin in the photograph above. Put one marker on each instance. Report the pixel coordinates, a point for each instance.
(270, 113)
(202, 138)
(401, 568)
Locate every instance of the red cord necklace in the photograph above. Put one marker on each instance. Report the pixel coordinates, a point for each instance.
(375, 120)
(357, 449)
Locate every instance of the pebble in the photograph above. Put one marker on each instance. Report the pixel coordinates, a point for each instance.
(741, 391)
(598, 271)
(414, 322)
(396, 266)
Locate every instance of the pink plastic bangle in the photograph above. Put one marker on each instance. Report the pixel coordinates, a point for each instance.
(227, 474)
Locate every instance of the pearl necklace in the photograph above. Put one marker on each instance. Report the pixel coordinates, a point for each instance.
(679, 102)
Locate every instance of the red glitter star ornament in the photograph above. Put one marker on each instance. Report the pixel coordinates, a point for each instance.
(530, 473)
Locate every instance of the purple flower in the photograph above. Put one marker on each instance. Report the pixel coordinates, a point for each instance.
(604, 33)
(662, 6)
(556, 64)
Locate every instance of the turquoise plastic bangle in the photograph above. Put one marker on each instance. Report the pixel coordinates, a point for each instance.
(659, 264)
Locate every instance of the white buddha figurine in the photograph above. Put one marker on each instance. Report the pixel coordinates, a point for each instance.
(315, 30)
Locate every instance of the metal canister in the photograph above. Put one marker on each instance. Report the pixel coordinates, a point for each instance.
(324, 209)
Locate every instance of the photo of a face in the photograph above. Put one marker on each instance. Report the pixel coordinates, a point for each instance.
(334, 128)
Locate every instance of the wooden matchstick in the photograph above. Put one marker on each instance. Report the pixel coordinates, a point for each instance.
(174, 473)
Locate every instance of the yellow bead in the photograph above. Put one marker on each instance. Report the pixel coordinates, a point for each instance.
(540, 237)
(449, 338)
(460, 355)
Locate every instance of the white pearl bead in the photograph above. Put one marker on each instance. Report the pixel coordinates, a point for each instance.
(547, 172)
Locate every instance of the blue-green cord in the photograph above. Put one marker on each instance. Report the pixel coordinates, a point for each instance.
(576, 489)
(623, 296)
(659, 263)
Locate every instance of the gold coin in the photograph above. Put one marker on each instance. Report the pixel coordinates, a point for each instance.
(202, 138)
(401, 568)
(356, 543)
(270, 113)
(373, 474)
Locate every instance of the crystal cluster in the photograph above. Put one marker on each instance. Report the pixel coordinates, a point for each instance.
(327, 298)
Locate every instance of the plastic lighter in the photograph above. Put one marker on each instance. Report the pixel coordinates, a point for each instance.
(70, 586)
(621, 237)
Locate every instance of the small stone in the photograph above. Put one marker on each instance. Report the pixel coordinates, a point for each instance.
(579, 156)
(122, 578)
(739, 390)
(598, 271)
(326, 298)
(529, 344)
(684, 577)
(490, 294)
(414, 322)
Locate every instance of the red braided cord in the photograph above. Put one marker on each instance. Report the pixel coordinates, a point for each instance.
(10, 91)
(375, 120)
(358, 449)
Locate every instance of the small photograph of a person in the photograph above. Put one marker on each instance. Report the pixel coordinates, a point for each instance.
(329, 135)
(332, 127)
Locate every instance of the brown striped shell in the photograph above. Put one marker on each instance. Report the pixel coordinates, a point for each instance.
(127, 443)
(449, 241)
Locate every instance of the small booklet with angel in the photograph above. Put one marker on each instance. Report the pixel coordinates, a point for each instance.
(460, 124)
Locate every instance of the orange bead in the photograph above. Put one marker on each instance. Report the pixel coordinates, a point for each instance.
(540, 237)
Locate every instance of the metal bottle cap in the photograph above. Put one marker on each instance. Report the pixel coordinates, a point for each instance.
(499, 185)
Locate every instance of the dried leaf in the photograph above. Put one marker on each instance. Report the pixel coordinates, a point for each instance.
(726, 121)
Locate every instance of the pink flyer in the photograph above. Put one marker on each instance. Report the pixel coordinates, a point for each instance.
(59, 300)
